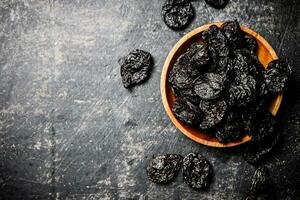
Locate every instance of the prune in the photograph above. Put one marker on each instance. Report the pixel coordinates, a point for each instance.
(177, 14)
(218, 4)
(232, 128)
(264, 138)
(261, 187)
(188, 66)
(233, 32)
(214, 113)
(251, 43)
(184, 113)
(277, 74)
(245, 63)
(197, 171)
(242, 91)
(263, 127)
(217, 42)
(135, 67)
(164, 168)
(209, 86)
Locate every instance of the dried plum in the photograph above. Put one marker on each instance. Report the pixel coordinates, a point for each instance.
(232, 128)
(214, 113)
(217, 42)
(135, 67)
(233, 32)
(197, 171)
(177, 14)
(261, 187)
(242, 91)
(209, 86)
(277, 74)
(264, 138)
(164, 168)
(218, 4)
(188, 66)
(250, 43)
(184, 113)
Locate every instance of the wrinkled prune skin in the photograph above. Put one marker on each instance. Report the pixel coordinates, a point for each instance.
(177, 14)
(233, 32)
(197, 171)
(209, 86)
(265, 137)
(185, 113)
(261, 187)
(251, 44)
(218, 4)
(217, 42)
(188, 66)
(164, 168)
(232, 128)
(214, 113)
(135, 67)
(242, 91)
(277, 75)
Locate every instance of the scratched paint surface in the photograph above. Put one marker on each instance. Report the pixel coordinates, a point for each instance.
(68, 128)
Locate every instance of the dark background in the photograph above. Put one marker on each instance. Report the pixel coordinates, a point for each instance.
(68, 128)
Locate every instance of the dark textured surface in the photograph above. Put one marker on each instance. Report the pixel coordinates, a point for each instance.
(69, 130)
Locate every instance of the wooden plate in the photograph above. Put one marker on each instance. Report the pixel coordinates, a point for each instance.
(265, 54)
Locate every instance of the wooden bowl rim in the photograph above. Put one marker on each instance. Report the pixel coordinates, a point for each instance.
(275, 104)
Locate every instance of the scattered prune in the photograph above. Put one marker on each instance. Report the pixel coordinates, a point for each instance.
(184, 113)
(261, 187)
(214, 113)
(218, 4)
(242, 91)
(209, 86)
(177, 14)
(277, 74)
(197, 171)
(263, 127)
(135, 67)
(164, 168)
(232, 128)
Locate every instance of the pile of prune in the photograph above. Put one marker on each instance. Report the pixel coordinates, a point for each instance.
(197, 170)
(135, 67)
(223, 90)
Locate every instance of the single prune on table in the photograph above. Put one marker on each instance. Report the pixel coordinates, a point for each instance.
(233, 32)
(135, 67)
(184, 113)
(209, 86)
(177, 14)
(263, 126)
(214, 113)
(277, 74)
(232, 128)
(197, 171)
(164, 168)
(242, 91)
(219, 4)
(261, 187)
